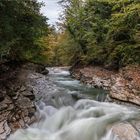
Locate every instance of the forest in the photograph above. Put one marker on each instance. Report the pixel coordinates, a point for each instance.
(21, 27)
(102, 32)
(92, 32)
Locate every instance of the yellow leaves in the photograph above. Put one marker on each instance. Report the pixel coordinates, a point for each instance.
(133, 7)
(53, 49)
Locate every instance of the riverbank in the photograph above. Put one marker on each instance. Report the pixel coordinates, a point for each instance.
(17, 97)
(52, 94)
(123, 85)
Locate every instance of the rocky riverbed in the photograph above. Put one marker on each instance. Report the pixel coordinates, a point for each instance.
(17, 97)
(21, 90)
(29, 85)
(123, 85)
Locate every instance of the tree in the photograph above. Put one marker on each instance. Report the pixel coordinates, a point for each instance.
(21, 25)
(106, 30)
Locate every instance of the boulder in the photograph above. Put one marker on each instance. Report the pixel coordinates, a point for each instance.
(45, 72)
(125, 131)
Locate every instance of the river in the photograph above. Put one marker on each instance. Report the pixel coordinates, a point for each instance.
(69, 110)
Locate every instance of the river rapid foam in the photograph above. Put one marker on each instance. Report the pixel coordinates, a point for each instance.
(86, 119)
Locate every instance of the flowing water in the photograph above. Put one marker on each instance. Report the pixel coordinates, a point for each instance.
(72, 111)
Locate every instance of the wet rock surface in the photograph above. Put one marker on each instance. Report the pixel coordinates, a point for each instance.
(123, 85)
(17, 98)
(126, 85)
(95, 76)
(126, 131)
(13, 111)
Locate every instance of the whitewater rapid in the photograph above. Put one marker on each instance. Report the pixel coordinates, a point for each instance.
(85, 119)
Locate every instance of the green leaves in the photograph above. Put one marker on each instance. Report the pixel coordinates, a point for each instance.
(21, 24)
(107, 30)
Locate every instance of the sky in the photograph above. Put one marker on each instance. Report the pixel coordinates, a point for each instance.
(52, 10)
